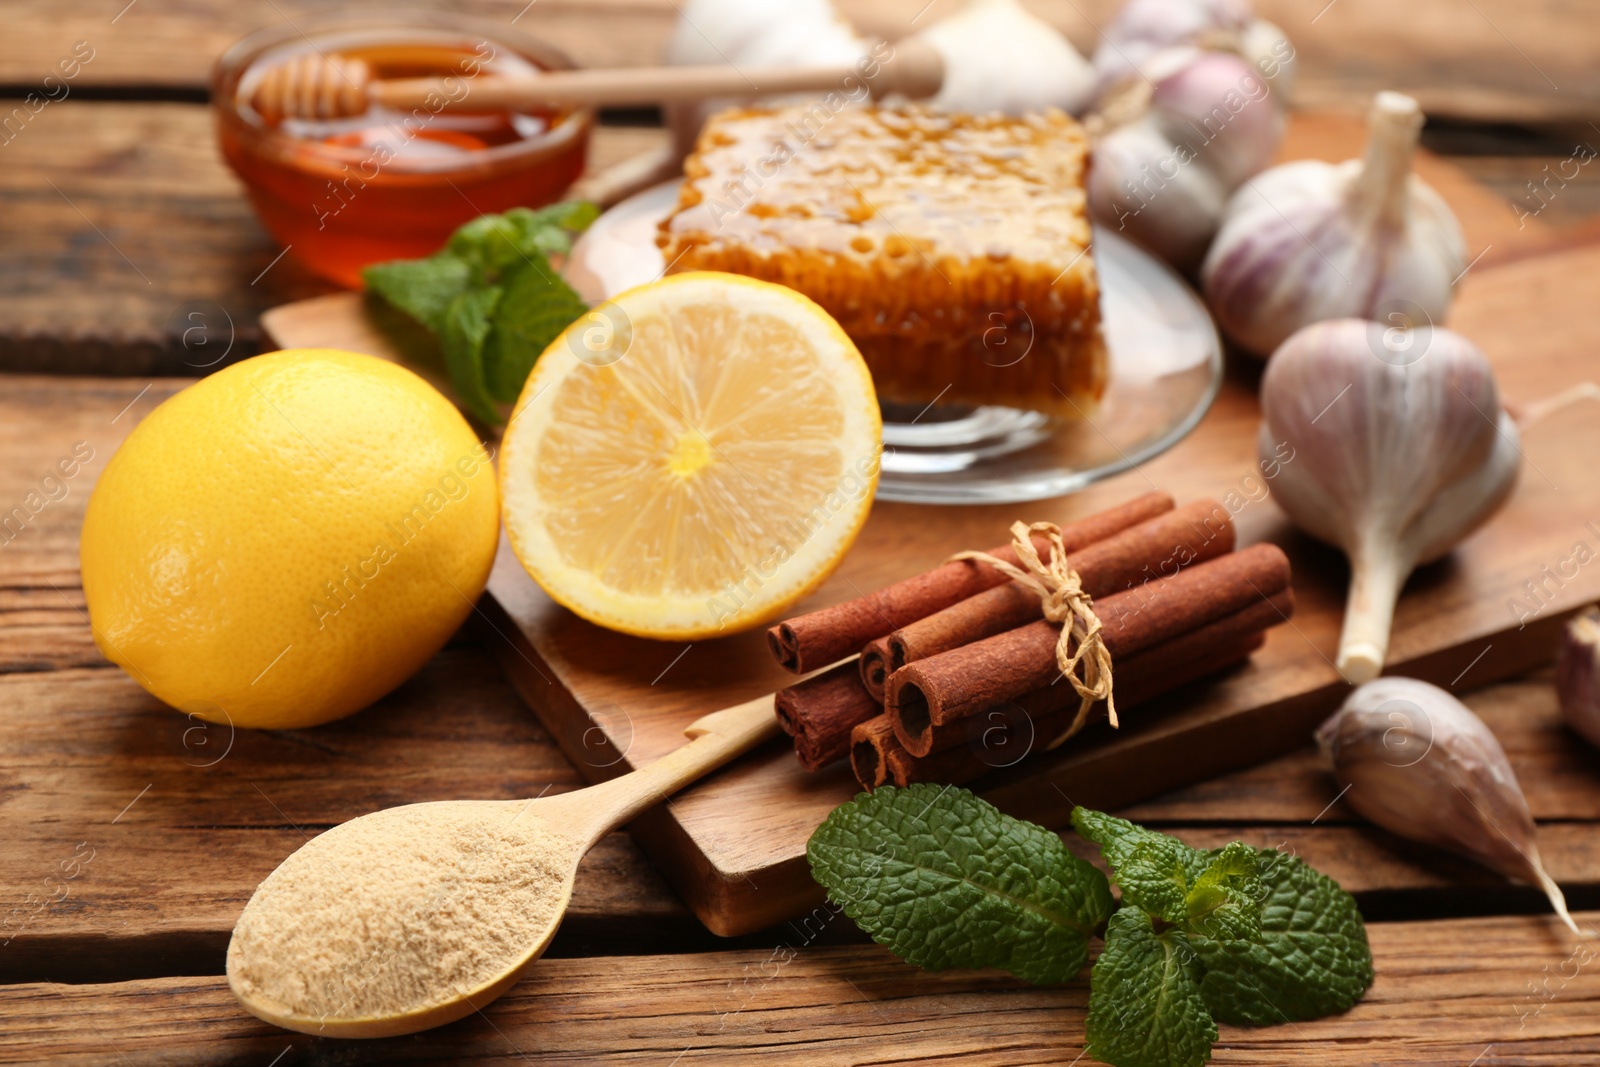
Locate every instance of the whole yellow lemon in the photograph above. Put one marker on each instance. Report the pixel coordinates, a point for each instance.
(287, 540)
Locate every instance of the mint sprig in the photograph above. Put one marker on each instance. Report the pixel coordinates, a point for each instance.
(943, 879)
(1238, 934)
(491, 298)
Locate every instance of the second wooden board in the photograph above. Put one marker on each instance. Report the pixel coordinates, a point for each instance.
(734, 845)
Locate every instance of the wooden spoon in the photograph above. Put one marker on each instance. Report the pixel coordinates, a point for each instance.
(314, 86)
(574, 820)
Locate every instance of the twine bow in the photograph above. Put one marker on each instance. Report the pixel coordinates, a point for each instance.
(1081, 653)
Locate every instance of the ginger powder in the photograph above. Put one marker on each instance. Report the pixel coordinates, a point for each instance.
(400, 910)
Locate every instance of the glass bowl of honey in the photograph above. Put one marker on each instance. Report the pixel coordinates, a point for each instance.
(344, 193)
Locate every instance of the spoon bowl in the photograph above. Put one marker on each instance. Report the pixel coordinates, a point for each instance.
(415, 916)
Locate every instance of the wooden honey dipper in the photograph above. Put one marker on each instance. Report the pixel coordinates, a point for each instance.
(314, 86)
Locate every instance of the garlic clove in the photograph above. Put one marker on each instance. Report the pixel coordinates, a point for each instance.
(1416, 761)
(1401, 450)
(1174, 218)
(1220, 100)
(1578, 675)
(998, 57)
(1141, 29)
(770, 32)
(1268, 47)
(1186, 141)
(1310, 241)
(745, 34)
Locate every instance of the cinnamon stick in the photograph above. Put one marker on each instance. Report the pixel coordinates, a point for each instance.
(871, 744)
(818, 638)
(1144, 676)
(875, 665)
(981, 675)
(1196, 532)
(820, 712)
(1032, 722)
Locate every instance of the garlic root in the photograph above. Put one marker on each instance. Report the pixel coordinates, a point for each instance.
(1375, 580)
(1552, 892)
(1381, 192)
(1533, 411)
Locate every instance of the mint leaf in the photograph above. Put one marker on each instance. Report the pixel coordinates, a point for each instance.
(1225, 901)
(466, 328)
(943, 879)
(491, 297)
(1309, 959)
(549, 230)
(1153, 871)
(494, 244)
(1145, 1008)
(573, 215)
(422, 288)
(536, 306)
(487, 243)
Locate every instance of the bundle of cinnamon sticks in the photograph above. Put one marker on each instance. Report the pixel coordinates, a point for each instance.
(954, 672)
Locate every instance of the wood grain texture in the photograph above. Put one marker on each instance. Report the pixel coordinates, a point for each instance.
(131, 203)
(131, 249)
(42, 624)
(1501, 60)
(1484, 991)
(180, 819)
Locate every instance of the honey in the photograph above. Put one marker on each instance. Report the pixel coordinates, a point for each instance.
(342, 194)
(953, 249)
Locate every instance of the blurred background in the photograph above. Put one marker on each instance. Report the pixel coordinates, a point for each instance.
(115, 186)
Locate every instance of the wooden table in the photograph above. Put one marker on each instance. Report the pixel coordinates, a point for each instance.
(118, 225)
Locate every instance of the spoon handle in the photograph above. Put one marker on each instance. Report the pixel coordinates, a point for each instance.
(716, 739)
(913, 68)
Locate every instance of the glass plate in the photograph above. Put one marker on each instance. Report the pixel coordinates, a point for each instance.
(1166, 367)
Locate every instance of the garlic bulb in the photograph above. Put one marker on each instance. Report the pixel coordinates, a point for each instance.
(1578, 675)
(1310, 241)
(1141, 29)
(1164, 177)
(754, 33)
(1416, 761)
(998, 57)
(1401, 449)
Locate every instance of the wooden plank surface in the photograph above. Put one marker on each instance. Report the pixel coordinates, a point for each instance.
(80, 741)
(1493, 991)
(131, 249)
(159, 898)
(1501, 60)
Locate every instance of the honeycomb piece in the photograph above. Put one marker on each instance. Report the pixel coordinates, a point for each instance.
(953, 249)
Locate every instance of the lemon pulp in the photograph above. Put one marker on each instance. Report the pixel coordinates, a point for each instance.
(702, 467)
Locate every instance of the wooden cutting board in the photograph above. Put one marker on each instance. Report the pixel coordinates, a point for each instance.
(734, 845)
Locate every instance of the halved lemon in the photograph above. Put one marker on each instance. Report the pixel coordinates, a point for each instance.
(691, 457)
